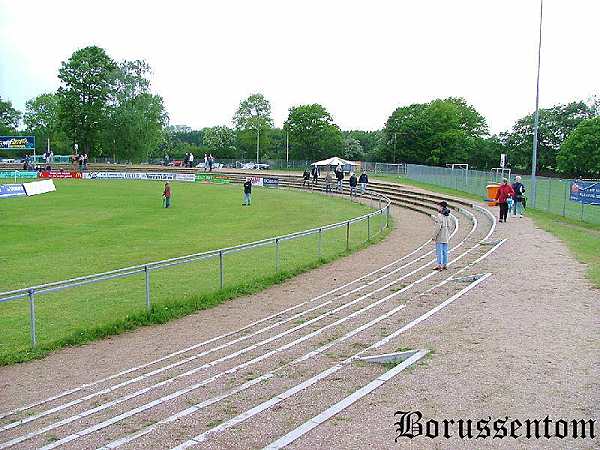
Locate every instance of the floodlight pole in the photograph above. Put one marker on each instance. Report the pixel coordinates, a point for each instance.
(287, 149)
(257, 144)
(536, 117)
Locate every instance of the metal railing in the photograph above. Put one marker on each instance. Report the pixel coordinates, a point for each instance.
(31, 292)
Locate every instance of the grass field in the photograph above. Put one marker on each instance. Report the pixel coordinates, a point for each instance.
(93, 226)
(583, 239)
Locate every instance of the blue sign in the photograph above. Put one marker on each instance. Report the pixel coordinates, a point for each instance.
(17, 142)
(11, 190)
(270, 182)
(587, 192)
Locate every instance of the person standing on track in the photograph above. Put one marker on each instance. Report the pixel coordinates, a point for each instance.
(519, 194)
(504, 192)
(442, 236)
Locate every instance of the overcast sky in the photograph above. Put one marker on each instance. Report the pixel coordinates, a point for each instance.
(360, 59)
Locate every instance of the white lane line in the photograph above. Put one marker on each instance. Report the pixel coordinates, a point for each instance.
(311, 354)
(117, 401)
(343, 404)
(311, 381)
(210, 341)
(209, 380)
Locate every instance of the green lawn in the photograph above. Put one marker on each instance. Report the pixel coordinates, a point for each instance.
(93, 226)
(583, 239)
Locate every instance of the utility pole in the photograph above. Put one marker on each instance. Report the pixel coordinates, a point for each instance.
(257, 144)
(536, 117)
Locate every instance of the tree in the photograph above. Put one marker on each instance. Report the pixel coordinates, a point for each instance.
(353, 151)
(86, 86)
(440, 132)
(254, 113)
(42, 120)
(579, 154)
(220, 141)
(555, 124)
(9, 117)
(313, 134)
(136, 116)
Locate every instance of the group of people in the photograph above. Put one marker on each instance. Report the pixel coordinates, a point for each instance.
(209, 161)
(188, 160)
(79, 161)
(511, 197)
(353, 182)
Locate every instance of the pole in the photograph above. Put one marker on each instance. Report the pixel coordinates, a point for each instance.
(347, 235)
(320, 241)
(287, 149)
(368, 228)
(536, 118)
(221, 277)
(564, 198)
(257, 144)
(277, 255)
(32, 317)
(148, 306)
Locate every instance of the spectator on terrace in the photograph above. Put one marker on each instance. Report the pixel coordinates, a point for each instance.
(191, 160)
(352, 182)
(363, 180)
(315, 174)
(205, 162)
(306, 178)
(328, 181)
(339, 175)
(211, 161)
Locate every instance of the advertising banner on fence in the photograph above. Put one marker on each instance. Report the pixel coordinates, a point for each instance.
(256, 181)
(59, 174)
(206, 178)
(140, 176)
(270, 182)
(587, 192)
(17, 174)
(17, 142)
(39, 187)
(11, 190)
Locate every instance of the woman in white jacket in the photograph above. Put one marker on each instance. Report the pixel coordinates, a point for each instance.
(441, 236)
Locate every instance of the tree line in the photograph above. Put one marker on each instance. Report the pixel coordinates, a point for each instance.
(107, 108)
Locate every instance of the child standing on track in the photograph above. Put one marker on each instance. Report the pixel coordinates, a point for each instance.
(441, 236)
(167, 195)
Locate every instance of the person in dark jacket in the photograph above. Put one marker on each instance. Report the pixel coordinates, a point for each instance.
(339, 175)
(306, 178)
(504, 193)
(363, 180)
(315, 174)
(247, 193)
(519, 197)
(353, 182)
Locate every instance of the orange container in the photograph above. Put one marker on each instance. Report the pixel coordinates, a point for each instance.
(492, 190)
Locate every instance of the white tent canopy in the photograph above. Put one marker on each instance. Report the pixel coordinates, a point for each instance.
(333, 162)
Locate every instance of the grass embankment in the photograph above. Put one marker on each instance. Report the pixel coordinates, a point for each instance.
(583, 239)
(93, 226)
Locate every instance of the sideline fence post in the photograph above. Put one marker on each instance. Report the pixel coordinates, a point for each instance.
(564, 198)
(319, 242)
(32, 317)
(221, 283)
(387, 217)
(148, 306)
(368, 228)
(549, 194)
(277, 255)
(582, 210)
(347, 235)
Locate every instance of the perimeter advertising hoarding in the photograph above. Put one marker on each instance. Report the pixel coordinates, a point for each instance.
(59, 174)
(160, 176)
(17, 174)
(586, 192)
(39, 187)
(206, 178)
(270, 182)
(17, 142)
(11, 190)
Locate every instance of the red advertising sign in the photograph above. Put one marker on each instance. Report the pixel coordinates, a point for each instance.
(59, 174)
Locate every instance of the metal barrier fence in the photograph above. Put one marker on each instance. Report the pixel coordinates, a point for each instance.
(32, 292)
(552, 194)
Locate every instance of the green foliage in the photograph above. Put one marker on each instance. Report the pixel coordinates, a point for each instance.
(42, 120)
(555, 124)
(353, 151)
(313, 134)
(370, 141)
(9, 117)
(440, 132)
(579, 154)
(220, 142)
(254, 113)
(86, 84)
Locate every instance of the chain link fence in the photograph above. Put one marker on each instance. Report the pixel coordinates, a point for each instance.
(552, 194)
